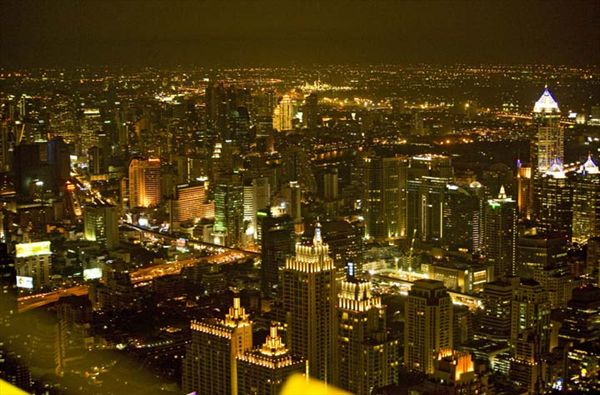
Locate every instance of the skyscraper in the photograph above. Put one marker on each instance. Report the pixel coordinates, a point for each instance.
(308, 297)
(428, 325)
(283, 115)
(529, 335)
(264, 370)
(229, 211)
(555, 209)
(385, 197)
(495, 318)
(210, 364)
(144, 182)
(101, 224)
(277, 242)
(549, 140)
(586, 202)
(500, 234)
(366, 357)
(311, 111)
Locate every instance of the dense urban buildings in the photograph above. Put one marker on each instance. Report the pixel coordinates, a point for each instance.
(373, 227)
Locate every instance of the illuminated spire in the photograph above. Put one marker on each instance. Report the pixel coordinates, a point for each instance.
(273, 345)
(590, 167)
(502, 193)
(317, 239)
(546, 103)
(237, 314)
(557, 169)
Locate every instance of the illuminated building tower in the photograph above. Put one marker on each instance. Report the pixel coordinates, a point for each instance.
(385, 197)
(263, 371)
(144, 182)
(277, 242)
(540, 251)
(257, 196)
(311, 111)
(428, 325)
(101, 224)
(586, 202)
(33, 262)
(210, 364)
(500, 234)
(283, 115)
(8, 288)
(524, 190)
(366, 358)
(428, 177)
(529, 335)
(229, 211)
(495, 318)
(455, 374)
(463, 212)
(555, 209)
(549, 141)
(308, 297)
(240, 128)
(293, 197)
(91, 124)
(190, 203)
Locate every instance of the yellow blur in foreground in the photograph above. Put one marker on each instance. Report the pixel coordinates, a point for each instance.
(298, 385)
(8, 389)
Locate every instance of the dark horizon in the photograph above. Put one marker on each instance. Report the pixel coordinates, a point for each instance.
(131, 33)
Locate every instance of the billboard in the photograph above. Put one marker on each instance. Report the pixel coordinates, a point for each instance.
(25, 250)
(92, 274)
(25, 282)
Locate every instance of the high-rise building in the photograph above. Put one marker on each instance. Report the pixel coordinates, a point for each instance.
(555, 208)
(529, 335)
(330, 184)
(283, 115)
(311, 111)
(91, 124)
(428, 325)
(592, 260)
(539, 251)
(524, 190)
(428, 178)
(263, 371)
(277, 243)
(366, 357)
(33, 262)
(495, 318)
(549, 141)
(144, 182)
(308, 297)
(385, 197)
(8, 287)
(257, 196)
(229, 211)
(210, 364)
(101, 224)
(586, 202)
(190, 203)
(500, 234)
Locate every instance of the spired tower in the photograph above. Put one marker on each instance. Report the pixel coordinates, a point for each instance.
(210, 364)
(309, 295)
(549, 142)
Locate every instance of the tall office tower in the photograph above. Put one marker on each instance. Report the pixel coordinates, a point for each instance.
(7, 142)
(308, 297)
(101, 224)
(91, 124)
(144, 182)
(385, 197)
(540, 251)
(311, 111)
(495, 318)
(240, 128)
(524, 190)
(428, 176)
(586, 202)
(330, 184)
(529, 335)
(8, 288)
(265, 369)
(592, 260)
(283, 115)
(549, 140)
(190, 203)
(581, 319)
(428, 325)
(33, 262)
(366, 357)
(229, 211)
(555, 209)
(277, 242)
(293, 196)
(210, 364)
(257, 196)
(463, 211)
(500, 234)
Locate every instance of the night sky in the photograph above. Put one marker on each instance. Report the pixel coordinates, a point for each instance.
(230, 32)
